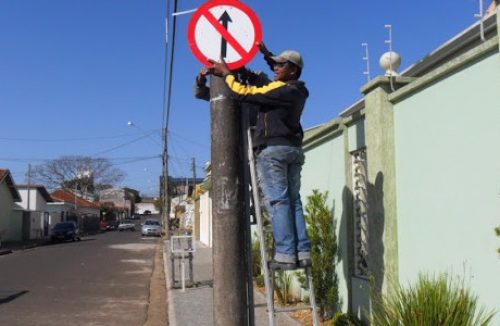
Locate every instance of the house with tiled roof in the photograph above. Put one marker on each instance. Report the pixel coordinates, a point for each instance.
(68, 206)
(11, 216)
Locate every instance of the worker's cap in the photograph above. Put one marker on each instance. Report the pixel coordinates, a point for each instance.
(289, 55)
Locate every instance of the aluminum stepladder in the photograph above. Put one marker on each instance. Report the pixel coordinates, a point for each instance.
(269, 272)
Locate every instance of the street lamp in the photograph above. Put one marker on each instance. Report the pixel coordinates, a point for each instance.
(132, 124)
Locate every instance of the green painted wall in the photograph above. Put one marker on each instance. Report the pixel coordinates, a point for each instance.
(324, 170)
(448, 178)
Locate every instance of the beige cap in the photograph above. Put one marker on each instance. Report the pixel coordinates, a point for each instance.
(289, 55)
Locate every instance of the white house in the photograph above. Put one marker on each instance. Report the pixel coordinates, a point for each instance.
(34, 199)
(142, 208)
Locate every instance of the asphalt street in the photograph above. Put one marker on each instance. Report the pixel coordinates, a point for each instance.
(102, 280)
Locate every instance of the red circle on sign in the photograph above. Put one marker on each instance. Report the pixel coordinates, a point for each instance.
(203, 11)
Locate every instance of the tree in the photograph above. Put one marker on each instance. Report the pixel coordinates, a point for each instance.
(83, 173)
(324, 253)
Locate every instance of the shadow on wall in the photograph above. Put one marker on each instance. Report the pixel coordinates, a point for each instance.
(376, 225)
(359, 299)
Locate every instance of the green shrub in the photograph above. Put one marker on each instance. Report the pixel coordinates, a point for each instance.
(256, 257)
(432, 301)
(321, 229)
(282, 284)
(259, 281)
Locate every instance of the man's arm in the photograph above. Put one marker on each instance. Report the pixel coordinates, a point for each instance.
(267, 55)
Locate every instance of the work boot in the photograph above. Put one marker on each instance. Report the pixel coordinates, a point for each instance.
(306, 262)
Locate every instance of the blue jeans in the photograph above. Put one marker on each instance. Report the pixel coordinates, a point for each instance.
(279, 170)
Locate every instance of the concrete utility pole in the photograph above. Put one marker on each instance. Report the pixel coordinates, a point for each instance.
(193, 166)
(227, 215)
(166, 195)
(29, 186)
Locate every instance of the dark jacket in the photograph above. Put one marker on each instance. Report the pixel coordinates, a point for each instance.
(280, 108)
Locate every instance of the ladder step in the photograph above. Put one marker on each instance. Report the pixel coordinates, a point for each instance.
(291, 309)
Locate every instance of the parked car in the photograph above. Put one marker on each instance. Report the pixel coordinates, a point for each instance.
(126, 225)
(112, 225)
(151, 227)
(65, 231)
(103, 226)
(135, 217)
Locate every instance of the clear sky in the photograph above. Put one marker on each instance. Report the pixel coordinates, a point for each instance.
(73, 73)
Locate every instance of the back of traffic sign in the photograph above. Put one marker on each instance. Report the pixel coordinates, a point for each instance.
(225, 29)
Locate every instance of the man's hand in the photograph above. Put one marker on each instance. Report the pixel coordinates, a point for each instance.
(219, 68)
(201, 79)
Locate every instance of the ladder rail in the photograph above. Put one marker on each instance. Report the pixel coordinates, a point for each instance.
(260, 231)
(312, 296)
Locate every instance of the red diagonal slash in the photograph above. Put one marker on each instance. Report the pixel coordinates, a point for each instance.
(225, 34)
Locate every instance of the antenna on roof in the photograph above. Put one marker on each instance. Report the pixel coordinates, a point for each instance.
(389, 41)
(390, 60)
(367, 59)
(480, 17)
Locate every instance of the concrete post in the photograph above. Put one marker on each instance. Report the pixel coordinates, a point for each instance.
(381, 170)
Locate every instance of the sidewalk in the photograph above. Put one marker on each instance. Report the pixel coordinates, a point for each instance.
(11, 246)
(194, 306)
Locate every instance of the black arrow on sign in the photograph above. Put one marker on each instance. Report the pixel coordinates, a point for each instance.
(224, 19)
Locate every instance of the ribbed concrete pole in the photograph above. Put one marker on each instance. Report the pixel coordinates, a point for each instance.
(227, 217)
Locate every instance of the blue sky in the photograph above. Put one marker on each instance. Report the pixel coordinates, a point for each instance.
(74, 72)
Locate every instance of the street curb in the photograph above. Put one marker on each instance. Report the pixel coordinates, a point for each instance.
(5, 252)
(170, 304)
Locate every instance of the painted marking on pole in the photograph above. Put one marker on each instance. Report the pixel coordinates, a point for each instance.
(225, 29)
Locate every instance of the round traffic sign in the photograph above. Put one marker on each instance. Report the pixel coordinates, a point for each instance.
(225, 29)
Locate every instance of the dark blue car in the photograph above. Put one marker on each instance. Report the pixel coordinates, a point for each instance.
(63, 231)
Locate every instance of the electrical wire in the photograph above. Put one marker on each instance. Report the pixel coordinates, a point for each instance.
(48, 140)
(120, 146)
(168, 99)
(124, 160)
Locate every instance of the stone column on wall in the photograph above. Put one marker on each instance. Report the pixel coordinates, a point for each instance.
(381, 170)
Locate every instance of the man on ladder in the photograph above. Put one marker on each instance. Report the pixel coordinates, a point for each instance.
(277, 144)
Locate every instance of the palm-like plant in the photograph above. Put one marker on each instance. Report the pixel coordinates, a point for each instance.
(433, 301)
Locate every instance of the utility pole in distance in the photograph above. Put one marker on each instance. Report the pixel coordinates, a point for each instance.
(164, 187)
(227, 214)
